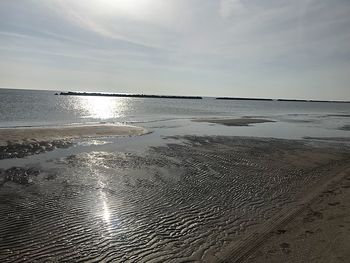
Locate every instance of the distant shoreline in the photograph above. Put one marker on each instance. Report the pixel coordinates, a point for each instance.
(289, 100)
(70, 93)
(73, 93)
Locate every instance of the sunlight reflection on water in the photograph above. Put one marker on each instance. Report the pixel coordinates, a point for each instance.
(104, 107)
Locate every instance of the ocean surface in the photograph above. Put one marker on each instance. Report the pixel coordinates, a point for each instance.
(294, 120)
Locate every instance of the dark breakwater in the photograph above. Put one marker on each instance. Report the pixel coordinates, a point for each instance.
(70, 93)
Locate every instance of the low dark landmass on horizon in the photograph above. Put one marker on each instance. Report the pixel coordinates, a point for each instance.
(73, 93)
(70, 93)
(296, 100)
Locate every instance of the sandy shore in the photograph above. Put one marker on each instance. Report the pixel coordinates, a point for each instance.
(51, 133)
(195, 199)
(320, 233)
(234, 122)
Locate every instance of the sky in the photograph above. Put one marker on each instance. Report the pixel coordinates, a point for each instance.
(273, 48)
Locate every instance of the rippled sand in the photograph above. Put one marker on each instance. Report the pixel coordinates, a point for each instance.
(320, 233)
(194, 200)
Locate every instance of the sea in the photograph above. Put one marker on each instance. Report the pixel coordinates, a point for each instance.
(293, 120)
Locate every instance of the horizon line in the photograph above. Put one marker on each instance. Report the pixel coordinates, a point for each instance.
(170, 95)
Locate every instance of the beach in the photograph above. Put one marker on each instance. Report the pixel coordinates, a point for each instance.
(67, 132)
(174, 131)
(210, 181)
(318, 233)
(21, 142)
(197, 198)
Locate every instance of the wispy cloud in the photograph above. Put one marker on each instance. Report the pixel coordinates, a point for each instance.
(231, 7)
(240, 45)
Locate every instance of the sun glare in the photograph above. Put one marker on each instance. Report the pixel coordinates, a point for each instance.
(104, 107)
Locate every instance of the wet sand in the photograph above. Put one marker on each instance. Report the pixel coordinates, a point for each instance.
(22, 142)
(195, 199)
(319, 233)
(234, 122)
(345, 128)
(51, 133)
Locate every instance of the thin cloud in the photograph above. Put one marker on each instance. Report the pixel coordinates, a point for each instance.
(231, 7)
(236, 43)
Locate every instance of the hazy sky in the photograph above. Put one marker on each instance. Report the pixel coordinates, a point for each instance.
(274, 48)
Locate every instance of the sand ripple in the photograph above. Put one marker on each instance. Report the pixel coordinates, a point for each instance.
(182, 202)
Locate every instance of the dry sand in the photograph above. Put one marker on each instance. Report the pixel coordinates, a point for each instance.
(51, 133)
(318, 232)
(234, 122)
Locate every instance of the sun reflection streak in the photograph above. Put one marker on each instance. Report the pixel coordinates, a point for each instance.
(105, 206)
(105, 211)
(106, 215)
(104, 107)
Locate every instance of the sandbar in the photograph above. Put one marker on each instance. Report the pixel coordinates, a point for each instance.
(345, 127)
(67, 132)
(234, 122)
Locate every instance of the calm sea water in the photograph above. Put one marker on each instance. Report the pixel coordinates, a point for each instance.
(293, 119)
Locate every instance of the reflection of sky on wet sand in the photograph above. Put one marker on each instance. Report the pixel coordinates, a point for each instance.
(103, 207)
(106, 215)
(109, 216)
